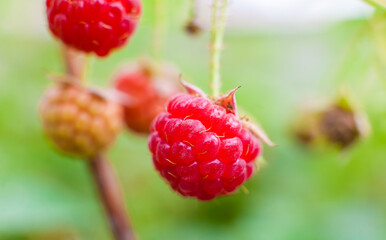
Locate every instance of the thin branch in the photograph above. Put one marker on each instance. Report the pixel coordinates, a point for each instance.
(101, 170)
(111, 198)
(75, 62)
(219, 17)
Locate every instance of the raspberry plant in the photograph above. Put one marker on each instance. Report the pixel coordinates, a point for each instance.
(199, 145)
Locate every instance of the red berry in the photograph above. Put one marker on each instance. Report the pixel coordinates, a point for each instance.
(147, 90)
(97, 26)
(208, 152)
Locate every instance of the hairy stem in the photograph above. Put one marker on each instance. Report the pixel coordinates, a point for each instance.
(193, 9)
(111, 198)
(159, 26)
(219, 17)
(75, 62)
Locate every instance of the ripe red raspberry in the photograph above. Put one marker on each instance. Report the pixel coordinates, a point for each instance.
(93, 25)
(79, 122)
(201, 148)
(148, 88)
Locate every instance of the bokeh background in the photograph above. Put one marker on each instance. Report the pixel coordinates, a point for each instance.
(283, 53)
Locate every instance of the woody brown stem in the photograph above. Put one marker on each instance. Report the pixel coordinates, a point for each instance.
(111, 198)
(103, 174)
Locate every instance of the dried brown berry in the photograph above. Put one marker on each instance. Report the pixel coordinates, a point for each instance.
(339, 123)
(79, 122)
(193, 28)
(339, 126)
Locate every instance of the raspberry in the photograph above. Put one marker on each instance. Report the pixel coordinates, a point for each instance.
(79, 122)
(202, 149)
(148, 89)
(93, 26)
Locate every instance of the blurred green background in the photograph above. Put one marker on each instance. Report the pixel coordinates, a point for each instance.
(300, 194)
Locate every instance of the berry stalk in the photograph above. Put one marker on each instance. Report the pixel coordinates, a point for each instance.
(103, 174)
(192, 27)
(219, 17)
(111, 197)
(193, 12)
(75, 62)
(159, 32)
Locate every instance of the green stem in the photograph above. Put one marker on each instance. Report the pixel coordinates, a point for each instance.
(348, 54)
(219, 17)
(377, 24)
(376, 3)
(159, 32)
(193, 9)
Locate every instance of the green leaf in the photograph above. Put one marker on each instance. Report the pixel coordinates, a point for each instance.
(377, 3)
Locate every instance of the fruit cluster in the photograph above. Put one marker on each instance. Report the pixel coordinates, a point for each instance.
(199, 146)
(79, 121)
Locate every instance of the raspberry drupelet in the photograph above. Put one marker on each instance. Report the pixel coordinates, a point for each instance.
(201, 148)
(97, 26)
(80, 122)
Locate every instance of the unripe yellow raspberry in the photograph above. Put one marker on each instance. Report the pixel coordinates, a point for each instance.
(79, 122)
